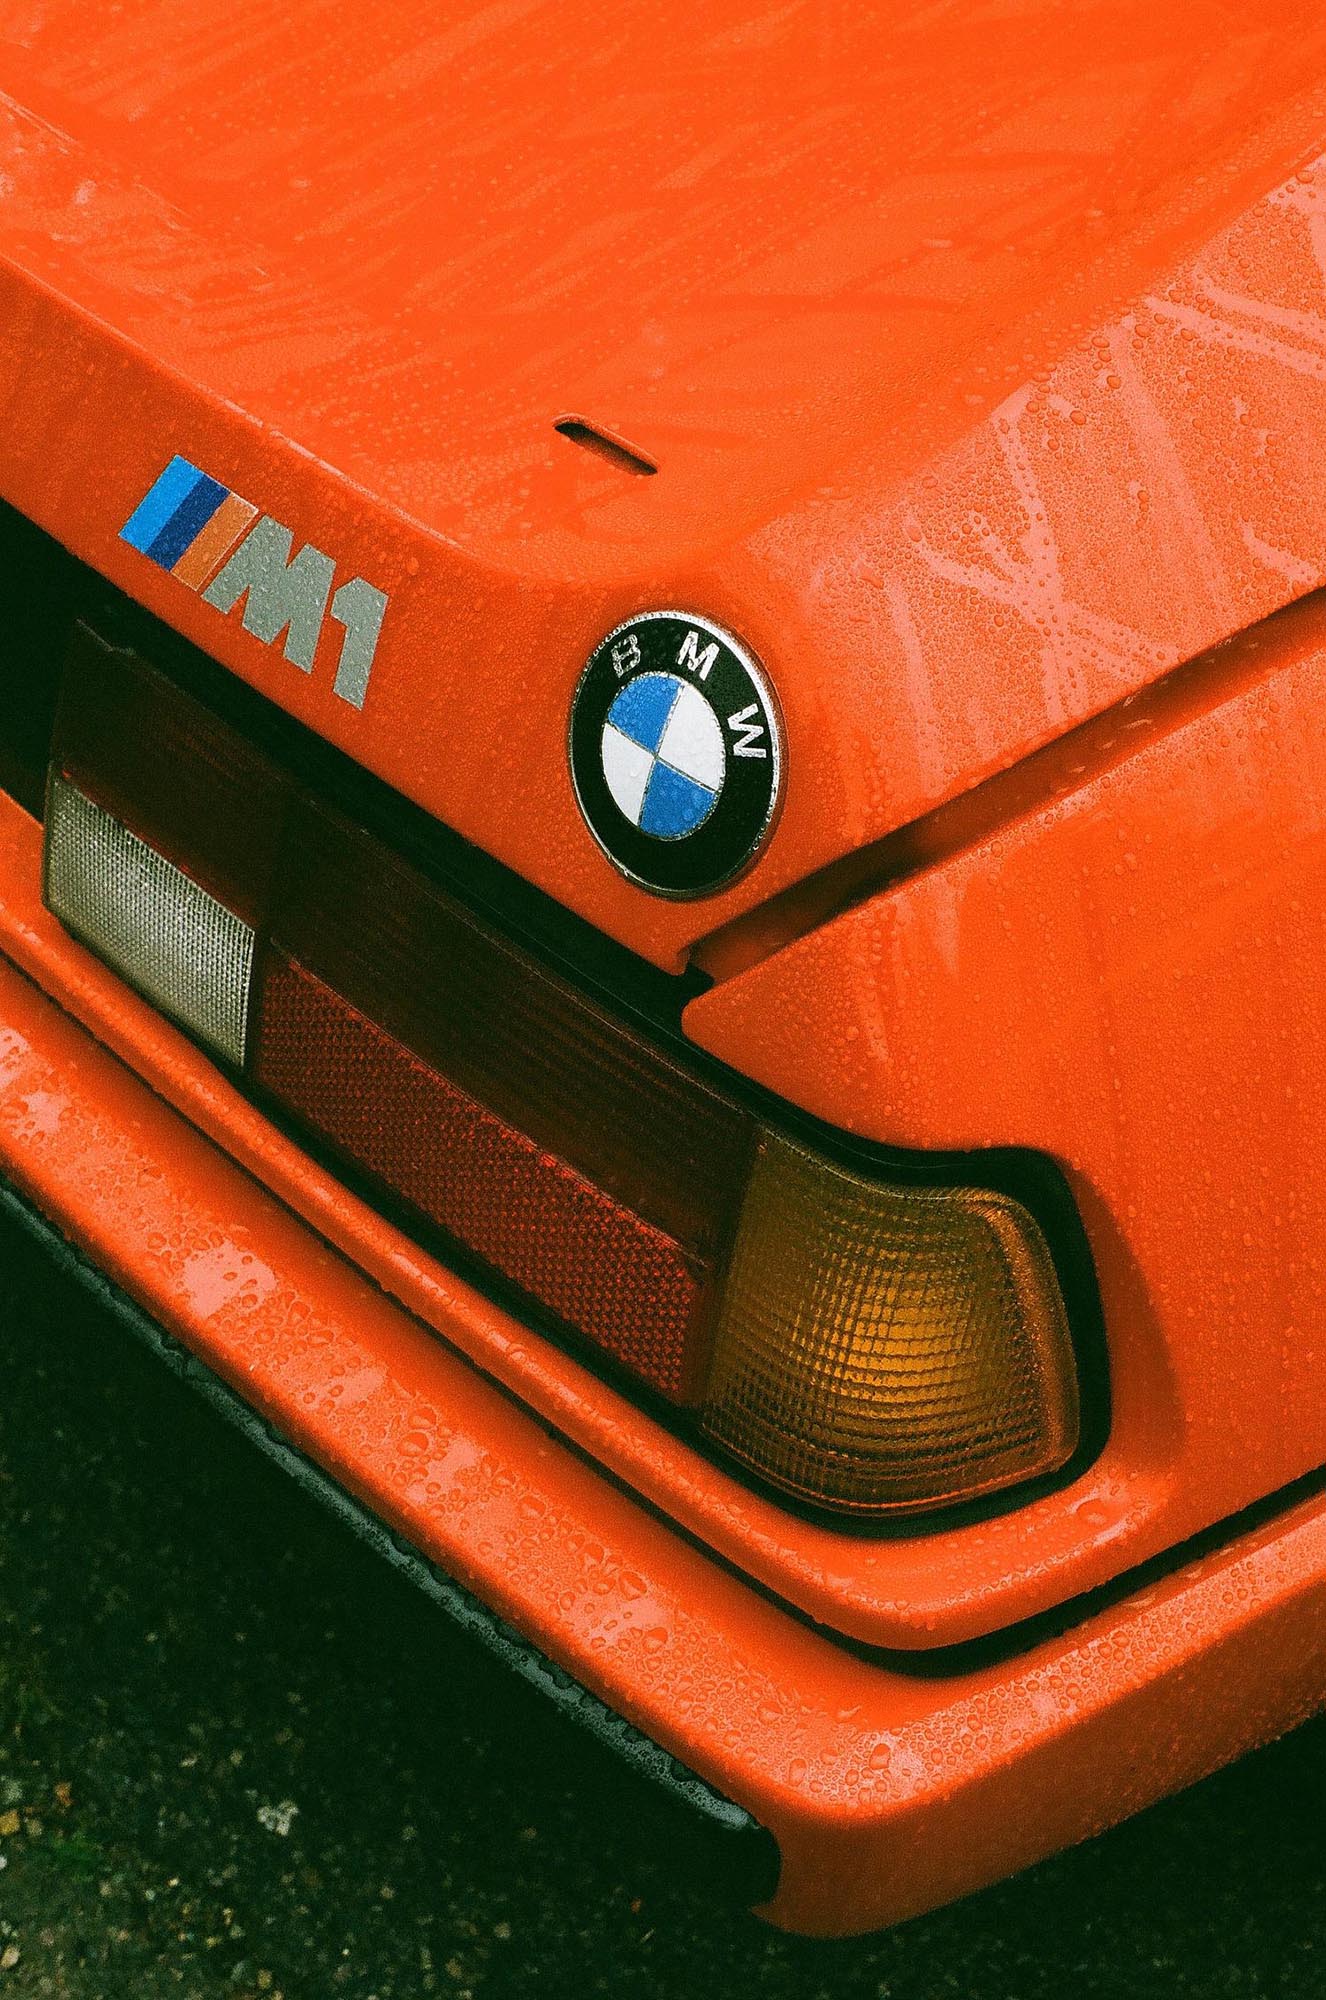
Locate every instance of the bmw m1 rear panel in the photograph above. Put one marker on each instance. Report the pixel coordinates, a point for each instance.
(705, 629)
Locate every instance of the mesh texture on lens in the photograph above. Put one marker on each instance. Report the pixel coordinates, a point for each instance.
(182, 949)
(884, 1347)
(597, 1265)
(513, 1035)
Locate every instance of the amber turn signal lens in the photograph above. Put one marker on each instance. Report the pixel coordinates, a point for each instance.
(882, 1347)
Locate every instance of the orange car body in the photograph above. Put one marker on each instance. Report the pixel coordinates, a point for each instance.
(982, 359)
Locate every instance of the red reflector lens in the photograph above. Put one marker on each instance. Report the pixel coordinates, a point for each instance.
(597, 1265)
(512, 1034)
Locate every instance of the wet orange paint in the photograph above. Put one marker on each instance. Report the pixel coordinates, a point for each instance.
(982, 361)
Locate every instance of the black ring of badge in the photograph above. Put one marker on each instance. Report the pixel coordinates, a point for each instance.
(696, 650)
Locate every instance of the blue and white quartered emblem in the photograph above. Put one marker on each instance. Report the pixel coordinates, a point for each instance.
(663, 756)
(675, 753)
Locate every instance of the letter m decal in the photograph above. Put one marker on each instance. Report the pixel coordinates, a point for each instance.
(282, 596)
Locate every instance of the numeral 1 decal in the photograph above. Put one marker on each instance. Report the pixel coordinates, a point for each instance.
(360, 607)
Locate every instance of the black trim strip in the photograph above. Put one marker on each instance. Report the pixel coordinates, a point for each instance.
(744, 1854)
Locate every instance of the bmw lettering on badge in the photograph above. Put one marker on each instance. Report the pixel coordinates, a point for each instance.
(675, 751)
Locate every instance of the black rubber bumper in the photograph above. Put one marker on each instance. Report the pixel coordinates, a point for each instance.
(737, 1858)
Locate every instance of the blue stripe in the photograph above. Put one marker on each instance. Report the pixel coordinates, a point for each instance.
(157, 505)
(187, 522)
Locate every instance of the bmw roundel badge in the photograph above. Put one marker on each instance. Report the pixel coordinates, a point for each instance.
(675, 753)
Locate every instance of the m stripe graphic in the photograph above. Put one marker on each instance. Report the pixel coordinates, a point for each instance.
(187, 523)
(214, 541)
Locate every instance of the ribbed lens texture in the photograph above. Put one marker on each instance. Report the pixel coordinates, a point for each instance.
(594, 1263)
(888, 1347)
(511, 1034)
(181, 948)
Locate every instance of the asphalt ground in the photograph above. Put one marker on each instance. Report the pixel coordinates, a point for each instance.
(239, 1758)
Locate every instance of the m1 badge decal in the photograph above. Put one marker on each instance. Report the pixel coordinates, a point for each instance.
(212, 540)
(676, 754)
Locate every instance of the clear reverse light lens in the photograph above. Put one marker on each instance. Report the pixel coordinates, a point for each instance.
(179, 946)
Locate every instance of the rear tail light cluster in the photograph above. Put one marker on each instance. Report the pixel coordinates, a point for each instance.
(866, 1345)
